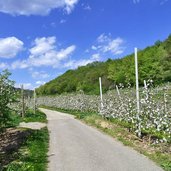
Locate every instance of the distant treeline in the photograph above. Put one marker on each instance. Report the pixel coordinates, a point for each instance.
(154, 63)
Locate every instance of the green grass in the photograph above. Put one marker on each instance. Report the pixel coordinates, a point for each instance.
(78, 114)
(120, 131)
(30, 116)
(32, 156)
(14, 119)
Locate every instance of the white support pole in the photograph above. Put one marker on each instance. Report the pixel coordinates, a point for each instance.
(145, 84)
(101, 94)
(146, 88)
(137, 83)
(34, 101)
(137, 93)
(165, 102)
(118, 91)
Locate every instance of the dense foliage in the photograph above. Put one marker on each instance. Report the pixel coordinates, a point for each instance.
(154, 63)
(84, 78)
(7, 96)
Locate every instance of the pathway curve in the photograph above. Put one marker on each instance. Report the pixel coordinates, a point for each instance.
(75, 146)
(32, 125)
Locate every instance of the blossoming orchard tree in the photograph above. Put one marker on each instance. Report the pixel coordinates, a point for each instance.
(7, 96)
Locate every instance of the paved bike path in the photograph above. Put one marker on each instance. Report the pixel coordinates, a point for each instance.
(75, 146)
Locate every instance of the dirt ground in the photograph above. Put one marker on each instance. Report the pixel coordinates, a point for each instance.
(10, 142)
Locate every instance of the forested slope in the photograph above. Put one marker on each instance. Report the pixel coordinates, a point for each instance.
(154, 63)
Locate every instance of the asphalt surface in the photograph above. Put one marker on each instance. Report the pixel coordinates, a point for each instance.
(75, 146)
(32, 125)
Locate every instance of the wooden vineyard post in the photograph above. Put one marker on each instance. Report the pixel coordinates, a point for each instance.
(22, 101)
(34, 101)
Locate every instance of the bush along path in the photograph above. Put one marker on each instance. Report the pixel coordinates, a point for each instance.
(21, 149)
(24, 149)
(76, 146)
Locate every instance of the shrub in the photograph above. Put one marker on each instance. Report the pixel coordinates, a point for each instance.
(7, 97)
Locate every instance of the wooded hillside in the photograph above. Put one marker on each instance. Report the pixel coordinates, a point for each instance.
(154, 63)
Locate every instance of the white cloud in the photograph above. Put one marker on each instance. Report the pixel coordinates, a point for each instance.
(53, 24)
(96, 57)
(114, 46)
(25, 86)
(45, 53)
(35, 7)
(73, 64)
(40, 75)
(94, 47)
(70, 5)
(51, 58)
(43, 45)
(20, 64)
(62, 21)
(136, 1)
(103, 38)
(162, 2)
(86, 7)
(87, 51)
(10, 47)
(3, 65)
(105, 44)
(82, 62)
(40, 82)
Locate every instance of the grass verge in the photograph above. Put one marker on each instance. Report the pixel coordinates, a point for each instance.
(32, 156)
(159, 153)
(30, 116)
(31, 146)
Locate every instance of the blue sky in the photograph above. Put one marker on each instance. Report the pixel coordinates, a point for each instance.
(40, 40)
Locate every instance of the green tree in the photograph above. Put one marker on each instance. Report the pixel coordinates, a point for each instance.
(7, 96)
(167, 60)
(154, 63)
